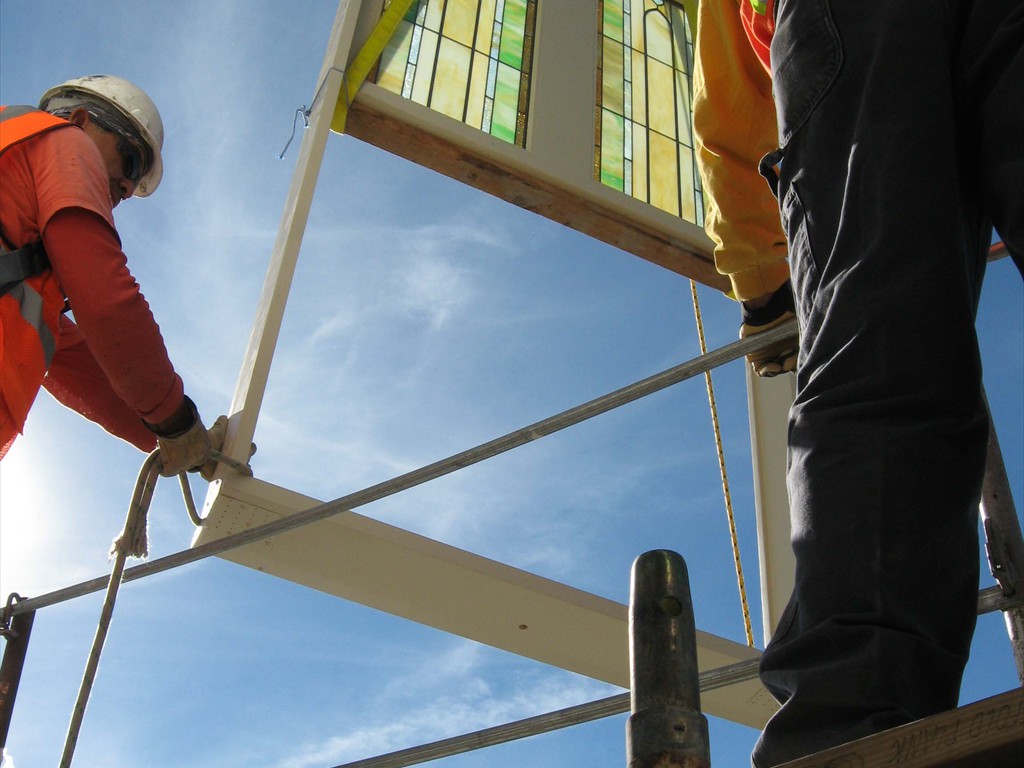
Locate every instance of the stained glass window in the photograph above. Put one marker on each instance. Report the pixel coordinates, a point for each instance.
(644, 137)
(469, 59)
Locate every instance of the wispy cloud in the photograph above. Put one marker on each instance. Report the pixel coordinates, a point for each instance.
(445, 696)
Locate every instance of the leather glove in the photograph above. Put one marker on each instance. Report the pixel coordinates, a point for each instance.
(781, 356)
(216, 435)
(186, 451)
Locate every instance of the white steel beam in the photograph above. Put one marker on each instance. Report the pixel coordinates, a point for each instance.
(252, 378)
(769, 401)
(407, 575)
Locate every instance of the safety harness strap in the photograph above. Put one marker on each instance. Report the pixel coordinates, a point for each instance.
(17, 265)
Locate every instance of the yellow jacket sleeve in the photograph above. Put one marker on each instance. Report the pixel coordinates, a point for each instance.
(734, 123)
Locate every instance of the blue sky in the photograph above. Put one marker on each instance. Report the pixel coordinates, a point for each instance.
(425, 318)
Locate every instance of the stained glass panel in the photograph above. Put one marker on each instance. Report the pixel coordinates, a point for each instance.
(469, 59)
(644, 145)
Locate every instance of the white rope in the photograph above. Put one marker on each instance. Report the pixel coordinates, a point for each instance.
(133, 542)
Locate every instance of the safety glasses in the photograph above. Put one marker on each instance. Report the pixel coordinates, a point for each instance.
(132, 159)
(133, 155)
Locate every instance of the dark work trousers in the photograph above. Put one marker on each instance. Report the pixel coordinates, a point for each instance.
(902, 132)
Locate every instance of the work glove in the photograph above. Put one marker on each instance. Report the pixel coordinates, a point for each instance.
(781, 356)
(216, 435)
(184, 451)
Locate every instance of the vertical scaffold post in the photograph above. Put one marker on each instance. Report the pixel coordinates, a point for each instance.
(666, 729)
(10, 669)
(1003, 542)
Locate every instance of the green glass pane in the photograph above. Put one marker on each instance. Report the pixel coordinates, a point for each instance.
(506, 103)
(612, 20)
(512, 32)
(612, 141)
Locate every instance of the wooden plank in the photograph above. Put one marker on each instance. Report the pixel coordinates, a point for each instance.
(986, 734)
(462, 163)
(426, 581)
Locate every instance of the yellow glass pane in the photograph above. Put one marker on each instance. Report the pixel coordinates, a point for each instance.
(639, 163)
(432, 15)
(664, 182)
(636, 25)
(659, 37)
(450, 78)
(682, 89)
(460, 21)
(485, 26)
(477, 91)
(639, 89)
(661, 100)
(687, 182)
(425, 68)
(391, 74)
(678, 16)
(611, 76)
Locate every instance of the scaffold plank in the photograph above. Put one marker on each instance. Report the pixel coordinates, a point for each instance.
(986, 734)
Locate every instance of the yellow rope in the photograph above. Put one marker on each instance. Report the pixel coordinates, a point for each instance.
(725, 477)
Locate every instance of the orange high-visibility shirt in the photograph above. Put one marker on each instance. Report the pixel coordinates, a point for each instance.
(110, 364)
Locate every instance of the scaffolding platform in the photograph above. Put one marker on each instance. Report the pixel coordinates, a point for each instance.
(986, 734)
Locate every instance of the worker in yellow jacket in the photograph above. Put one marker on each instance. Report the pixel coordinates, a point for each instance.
(892, 135)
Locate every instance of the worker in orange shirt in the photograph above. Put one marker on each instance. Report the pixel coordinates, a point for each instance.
(93, 142)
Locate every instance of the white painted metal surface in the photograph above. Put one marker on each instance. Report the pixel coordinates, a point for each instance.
(769, 401)
(393, 570)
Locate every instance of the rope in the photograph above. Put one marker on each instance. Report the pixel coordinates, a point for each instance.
(744, 605)
(133, 542)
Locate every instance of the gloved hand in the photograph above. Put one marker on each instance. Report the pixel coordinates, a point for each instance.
(781, 356)
(216, 435)
(186, 451)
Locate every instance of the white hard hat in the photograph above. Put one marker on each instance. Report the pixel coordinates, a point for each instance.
(132, 102)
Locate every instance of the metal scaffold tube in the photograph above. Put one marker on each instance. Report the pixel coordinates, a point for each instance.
(667, 728)
(534, 726)
(548, 426)
(1004, 543)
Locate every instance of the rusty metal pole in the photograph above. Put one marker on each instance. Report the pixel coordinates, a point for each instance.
(666, 729)
(11, 667)
(1003, 542)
